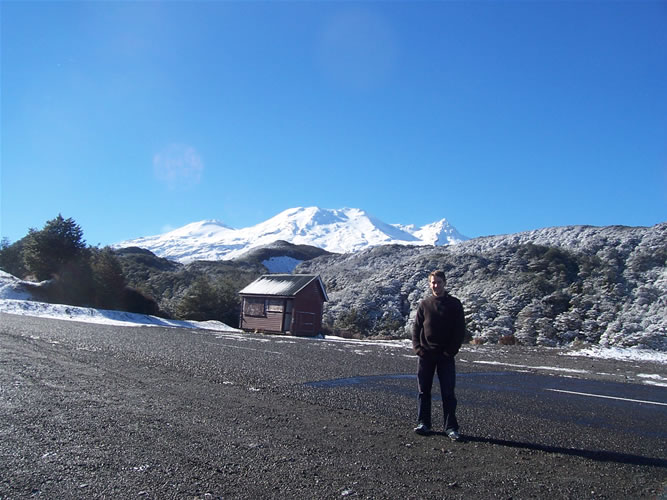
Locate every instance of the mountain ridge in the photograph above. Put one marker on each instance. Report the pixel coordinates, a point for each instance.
(344, 230)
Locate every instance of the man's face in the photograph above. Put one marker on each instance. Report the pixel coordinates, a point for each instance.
(437, 285)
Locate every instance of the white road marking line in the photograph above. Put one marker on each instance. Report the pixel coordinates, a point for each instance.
(608, 397)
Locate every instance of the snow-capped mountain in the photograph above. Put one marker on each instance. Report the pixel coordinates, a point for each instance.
(343, 230)
(437, 233)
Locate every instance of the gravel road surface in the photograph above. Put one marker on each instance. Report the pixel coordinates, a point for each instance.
(94, 411)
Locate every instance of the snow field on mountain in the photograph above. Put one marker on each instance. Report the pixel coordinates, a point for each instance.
(335, 230)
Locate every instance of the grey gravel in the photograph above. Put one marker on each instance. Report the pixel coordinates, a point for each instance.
(91, 411)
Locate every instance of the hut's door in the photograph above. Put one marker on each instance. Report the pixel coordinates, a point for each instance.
(305, 322)
(287, 317)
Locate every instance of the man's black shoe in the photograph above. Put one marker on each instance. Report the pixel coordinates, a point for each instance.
(423, 430)
(453, 435)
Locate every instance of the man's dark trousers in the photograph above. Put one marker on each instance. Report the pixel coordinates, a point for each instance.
(445, 366)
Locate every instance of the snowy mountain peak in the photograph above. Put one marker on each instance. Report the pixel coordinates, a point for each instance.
(439, 233)
(205, 228)
(342, 230)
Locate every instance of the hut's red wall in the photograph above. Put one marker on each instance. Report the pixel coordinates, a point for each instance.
(272, 322)
(307, 314)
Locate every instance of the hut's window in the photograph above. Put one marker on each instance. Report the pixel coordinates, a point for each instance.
(276, 305)
(254, 307)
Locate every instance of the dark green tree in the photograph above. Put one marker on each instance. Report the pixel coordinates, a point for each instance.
(353, 321)
(200, 302)
(74, 282)
(11, 258)
(108, 279)
(229, 301)
(205, 300)
(47, 252)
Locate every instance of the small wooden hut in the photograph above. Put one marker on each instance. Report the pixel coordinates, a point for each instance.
(283, 303)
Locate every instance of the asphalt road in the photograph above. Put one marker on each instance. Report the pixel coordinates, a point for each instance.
(92, 411)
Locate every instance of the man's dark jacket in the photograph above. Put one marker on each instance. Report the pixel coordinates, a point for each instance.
(439, 326)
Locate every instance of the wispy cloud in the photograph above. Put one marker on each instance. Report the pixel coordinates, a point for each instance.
(178, 166)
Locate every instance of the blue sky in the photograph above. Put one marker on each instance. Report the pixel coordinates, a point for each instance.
(138, 117)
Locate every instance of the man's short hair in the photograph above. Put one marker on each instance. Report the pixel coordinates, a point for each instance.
(438, 274)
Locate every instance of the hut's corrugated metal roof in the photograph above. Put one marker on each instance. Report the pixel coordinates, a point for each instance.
(283, 285)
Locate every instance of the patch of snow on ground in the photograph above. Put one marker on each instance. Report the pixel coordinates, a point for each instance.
(101, 316)
(624, 354)
(653, 379)
(12, 287)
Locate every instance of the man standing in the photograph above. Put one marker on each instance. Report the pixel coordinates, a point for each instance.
(437, 336)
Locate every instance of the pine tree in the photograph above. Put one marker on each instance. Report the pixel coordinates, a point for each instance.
(108, 278)
(200, 302)
(47, 252)
(11, 258)
(208, 300)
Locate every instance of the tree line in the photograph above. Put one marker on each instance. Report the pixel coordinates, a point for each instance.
(74, 273)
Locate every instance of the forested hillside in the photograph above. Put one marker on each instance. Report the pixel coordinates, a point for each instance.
(554, 286)
(547, 287)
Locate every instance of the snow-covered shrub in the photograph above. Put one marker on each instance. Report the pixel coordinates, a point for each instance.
(555, 286)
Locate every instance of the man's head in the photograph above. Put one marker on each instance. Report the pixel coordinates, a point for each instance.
(437, 282)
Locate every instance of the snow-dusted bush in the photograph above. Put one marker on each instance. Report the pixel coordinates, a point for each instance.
(554, 286)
